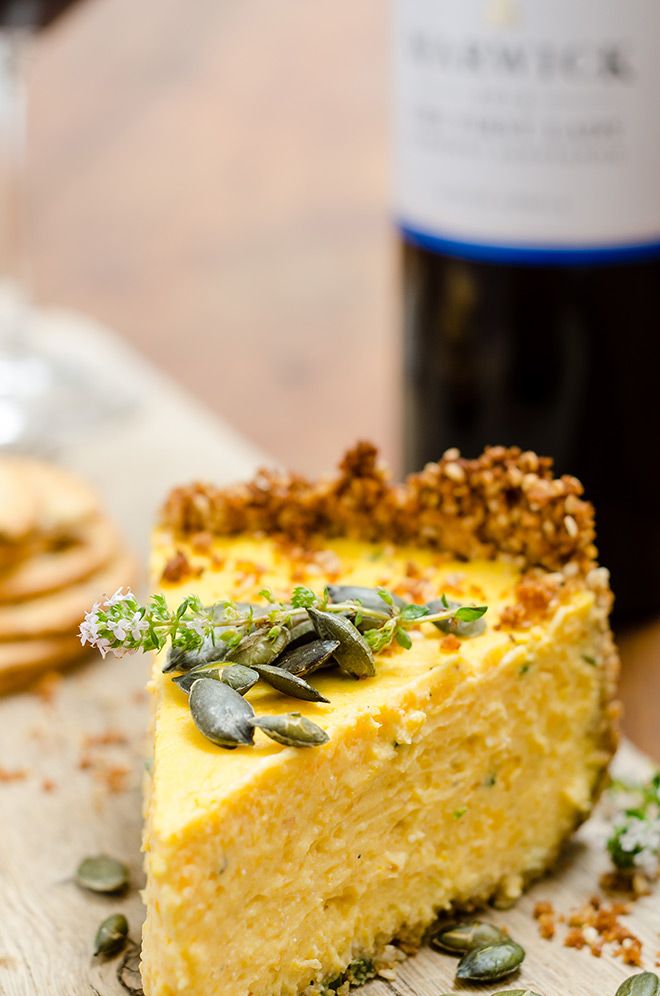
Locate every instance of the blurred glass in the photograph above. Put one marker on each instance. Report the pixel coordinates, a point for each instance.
(44, 400)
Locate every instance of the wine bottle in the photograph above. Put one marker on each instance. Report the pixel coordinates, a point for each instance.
(528, 202)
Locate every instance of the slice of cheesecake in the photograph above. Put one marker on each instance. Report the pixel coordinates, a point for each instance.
(450, 778)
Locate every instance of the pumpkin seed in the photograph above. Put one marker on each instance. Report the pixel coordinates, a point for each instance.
(644, 984)
(515, 992)
(289, 684)
(354, 655)
(258, 647)
(455, 626)
(301, 633)
(292, 730)
(220, 713)
(367, 597)
(308, 658)
(211, 651)
(238, 677)
(491, 962)
(102, 874)
(462, 937)
(111, 935)
(185, 681)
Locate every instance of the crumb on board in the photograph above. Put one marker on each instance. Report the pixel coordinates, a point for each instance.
(108, 770)
(9, 775)
(46, 686)
(545, 914)
(107, 738)
(593, 925)
(451, 643)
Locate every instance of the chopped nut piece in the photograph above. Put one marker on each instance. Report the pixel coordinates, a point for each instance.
(177, 568)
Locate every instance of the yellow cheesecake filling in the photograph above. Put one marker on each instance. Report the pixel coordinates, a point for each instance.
(451, 777)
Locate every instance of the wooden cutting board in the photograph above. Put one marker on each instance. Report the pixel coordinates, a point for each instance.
(72, 766)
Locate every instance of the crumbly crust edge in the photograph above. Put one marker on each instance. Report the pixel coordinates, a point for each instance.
(505, 501)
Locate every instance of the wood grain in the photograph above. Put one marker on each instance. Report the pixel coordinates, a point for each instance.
(61, 758)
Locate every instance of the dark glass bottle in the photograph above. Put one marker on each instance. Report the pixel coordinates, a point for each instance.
(528, 151)
(562, 360)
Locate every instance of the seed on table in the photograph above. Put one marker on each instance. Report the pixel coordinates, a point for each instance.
(644, 984)
(102, 874)
(463, 937)
(491, 963)
(111, 935)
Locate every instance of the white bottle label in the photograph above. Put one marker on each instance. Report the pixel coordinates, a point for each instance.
(529, 129)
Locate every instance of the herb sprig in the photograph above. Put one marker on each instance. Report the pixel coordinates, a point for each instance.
(120, 625)
(634, 843)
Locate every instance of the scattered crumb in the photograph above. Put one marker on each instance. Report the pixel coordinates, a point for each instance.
(85, 761)
(201, 542)
(451, 643)
(454, 583)
(108, 738)
(178, 567)
(534, 596)
(6, 961)
(46, 686)
(8, 775)
(109, 770)
(419, 585)
(113, 777)
(595, 924)
(545, 914)
(48, 785)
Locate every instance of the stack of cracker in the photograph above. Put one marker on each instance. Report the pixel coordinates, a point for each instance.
(58, 552)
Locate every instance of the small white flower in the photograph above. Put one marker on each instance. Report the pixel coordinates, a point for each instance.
(118, 628)
(119, 596)
(89, 627)
(643, 837)
(137, 626)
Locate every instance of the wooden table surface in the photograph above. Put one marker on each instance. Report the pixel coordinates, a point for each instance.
(215, 187)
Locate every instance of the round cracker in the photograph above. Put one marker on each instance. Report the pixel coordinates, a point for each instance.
(62, 611)
(64, 500)
(19, 511)
(23, 661)
(50, 570)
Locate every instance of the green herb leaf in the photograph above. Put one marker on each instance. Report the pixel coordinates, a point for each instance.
(378, 639)
(303, 598)
(402, 638)
(412, 612)
(470, 613)
(385, 595)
